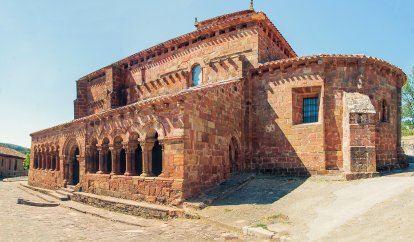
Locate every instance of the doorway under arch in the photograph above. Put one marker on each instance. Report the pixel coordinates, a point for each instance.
(157, 159)
(234, 155)
(72, 167)
(75, 168)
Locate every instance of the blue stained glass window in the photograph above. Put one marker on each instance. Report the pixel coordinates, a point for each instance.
(196, 75)
(310, 110)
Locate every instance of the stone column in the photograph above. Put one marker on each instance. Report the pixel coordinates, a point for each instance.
(47, 161)
(146, 158)
(129, 171)
(57, 168)
(114, 161)
(52, 161)
(62, 165)
(44, 159)
(101, 153)
(41, 162)
(161, 142)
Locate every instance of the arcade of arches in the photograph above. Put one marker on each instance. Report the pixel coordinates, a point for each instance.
(131, 158)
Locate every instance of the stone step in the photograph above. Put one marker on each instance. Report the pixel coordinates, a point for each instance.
(65, 192)
(130, 207)
(71, 187)
(67, 189)
(48, 192)
(59, 196)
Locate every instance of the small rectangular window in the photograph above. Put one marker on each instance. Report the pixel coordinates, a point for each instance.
(310, 110)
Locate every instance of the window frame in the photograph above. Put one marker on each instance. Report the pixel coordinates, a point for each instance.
(311, 118)
(200, 81)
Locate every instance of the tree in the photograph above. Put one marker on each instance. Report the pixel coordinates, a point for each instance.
(407, 122)
(26, 162)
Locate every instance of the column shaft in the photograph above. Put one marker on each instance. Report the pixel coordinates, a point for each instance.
(101, 168)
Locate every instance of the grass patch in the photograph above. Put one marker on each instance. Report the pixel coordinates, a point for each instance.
(278, 218)
(263, 226)
(228, 210)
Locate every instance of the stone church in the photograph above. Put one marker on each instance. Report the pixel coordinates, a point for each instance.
(169, 122)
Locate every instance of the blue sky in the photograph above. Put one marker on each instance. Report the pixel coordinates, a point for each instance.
(46, 45)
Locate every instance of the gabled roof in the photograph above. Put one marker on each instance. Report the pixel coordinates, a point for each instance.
(204, 27)
(10, 152)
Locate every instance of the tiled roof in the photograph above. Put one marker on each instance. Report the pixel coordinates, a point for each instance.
(331, 56)
(203, 26)
(11, 152)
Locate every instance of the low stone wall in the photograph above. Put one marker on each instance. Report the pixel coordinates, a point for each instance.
(407, 143)
(45, 178)
(8, 174)
(149, 189)
(127, 207)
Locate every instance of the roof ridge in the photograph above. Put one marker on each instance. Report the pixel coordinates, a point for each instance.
(11, 152)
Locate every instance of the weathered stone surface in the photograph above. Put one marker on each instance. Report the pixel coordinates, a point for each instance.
(143, 131)
(11, 163)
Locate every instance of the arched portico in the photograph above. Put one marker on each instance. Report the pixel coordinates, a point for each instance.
(71, 154)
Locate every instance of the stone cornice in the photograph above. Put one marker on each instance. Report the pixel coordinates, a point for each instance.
(328, 58)
(131, 107)
(215, 24)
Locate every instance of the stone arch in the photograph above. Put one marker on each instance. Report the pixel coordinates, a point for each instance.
(151, 128)
(196, 75)
(133, 133)
(35, 157)
(384, 113)
(117, 133)
(71, 151)
(234, 155)
(107, 155)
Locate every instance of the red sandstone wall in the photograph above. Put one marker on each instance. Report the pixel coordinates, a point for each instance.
(268, 49)
(211, 118)
(46, 179)
(150, 189)
(280, 145)
(369, 80)
(170, 71)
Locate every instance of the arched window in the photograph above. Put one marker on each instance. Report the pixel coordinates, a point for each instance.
(196, 75)
(384, 111)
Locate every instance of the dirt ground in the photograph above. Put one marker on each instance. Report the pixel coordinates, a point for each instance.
(320, 209)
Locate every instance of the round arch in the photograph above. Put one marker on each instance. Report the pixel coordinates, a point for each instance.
(151, 128)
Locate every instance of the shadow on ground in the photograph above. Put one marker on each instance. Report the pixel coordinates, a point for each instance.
(409, 171)
(263, 189)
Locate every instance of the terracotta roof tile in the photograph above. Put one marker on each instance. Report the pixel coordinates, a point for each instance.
(11, 152)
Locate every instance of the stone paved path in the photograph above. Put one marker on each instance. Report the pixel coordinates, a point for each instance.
(26, 223)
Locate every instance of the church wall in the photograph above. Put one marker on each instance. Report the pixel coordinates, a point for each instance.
(281, 144)
(211, 119)
(380, 86)
(170, 71)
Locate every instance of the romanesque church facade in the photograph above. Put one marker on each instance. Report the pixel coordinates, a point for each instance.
(172, 121)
